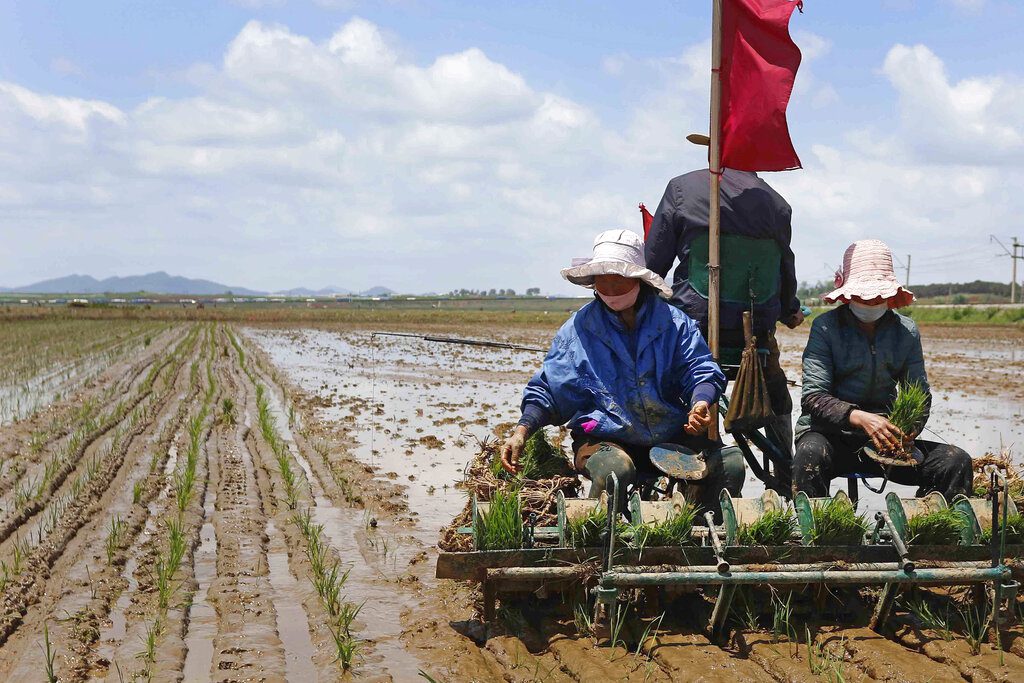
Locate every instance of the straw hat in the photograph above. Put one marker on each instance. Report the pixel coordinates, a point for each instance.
(616, 252)
(868, 274)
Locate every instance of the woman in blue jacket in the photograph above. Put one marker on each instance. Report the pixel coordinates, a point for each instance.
(626, 372)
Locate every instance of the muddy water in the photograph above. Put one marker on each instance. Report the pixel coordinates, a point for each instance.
(202, 617)
(416, 409)
(366, 557)
(394, 392)
(292, 625)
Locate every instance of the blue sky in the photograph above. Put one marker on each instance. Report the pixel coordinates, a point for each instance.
(429, 145)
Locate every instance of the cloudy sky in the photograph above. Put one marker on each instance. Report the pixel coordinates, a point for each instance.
(429, 145)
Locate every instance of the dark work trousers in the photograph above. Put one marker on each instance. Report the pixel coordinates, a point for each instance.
(820, 457)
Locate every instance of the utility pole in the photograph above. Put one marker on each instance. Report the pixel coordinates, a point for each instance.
(1014, 257)
(907, 283)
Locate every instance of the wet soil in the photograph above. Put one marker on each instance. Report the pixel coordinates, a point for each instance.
(378, 431)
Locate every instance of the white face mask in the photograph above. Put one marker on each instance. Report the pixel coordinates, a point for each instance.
(620, 302)
(868, 313)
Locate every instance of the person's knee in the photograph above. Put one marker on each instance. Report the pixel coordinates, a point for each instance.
(734, 471)
(603, 463)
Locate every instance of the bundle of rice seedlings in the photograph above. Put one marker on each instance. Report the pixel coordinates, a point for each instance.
(587, 531)
(909, 406)
(501, 526)
(942, 527)
(775, 527)
(1014, 530)
(540, 460)
(836, 522)
(674, 530)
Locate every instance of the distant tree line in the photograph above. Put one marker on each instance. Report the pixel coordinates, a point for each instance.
(478, 293)
(954, 290)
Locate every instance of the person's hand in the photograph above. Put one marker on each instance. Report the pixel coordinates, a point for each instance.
(884, 434)
(794, 321)
(700, 418)
(512, 449)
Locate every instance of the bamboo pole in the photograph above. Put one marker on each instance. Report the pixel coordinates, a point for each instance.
(714, 216)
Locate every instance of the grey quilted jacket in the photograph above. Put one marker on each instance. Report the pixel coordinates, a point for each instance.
(844, 370)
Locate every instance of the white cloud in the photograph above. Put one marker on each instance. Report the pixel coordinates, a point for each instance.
(343, 161)
(979, 119)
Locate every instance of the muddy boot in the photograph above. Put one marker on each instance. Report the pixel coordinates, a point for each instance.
(726, 470)
(606, 459)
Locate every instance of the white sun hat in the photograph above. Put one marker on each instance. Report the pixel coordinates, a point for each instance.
(616, 252)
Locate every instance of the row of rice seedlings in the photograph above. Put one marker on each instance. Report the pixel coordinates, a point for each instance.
(327, 577)
(674, 530)
(1014, 530)
(115, 536)
(836, 522)
(344, 483)
(942, 527)
(278, 446)
(775, 527)
(501, 526)
(328, 580)
(19, 554)
(171, 557)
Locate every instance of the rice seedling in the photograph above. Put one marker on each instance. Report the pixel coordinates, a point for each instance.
(227, 412)
(674, 530)
(782, 618)
(1014, 530)
(909, 406)
(824, 662)
(587, 531)
(929, 618)
(836, 522)
(976, 622)
(581, 617)
(942, 527)
(49, 654)
(115, 535)
(346, 648)
(137, 489)
(775, 527)
(501, 527)
(148, 654)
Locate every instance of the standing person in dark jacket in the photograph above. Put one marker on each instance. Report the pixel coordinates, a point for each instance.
(855, 356)
(757, 267)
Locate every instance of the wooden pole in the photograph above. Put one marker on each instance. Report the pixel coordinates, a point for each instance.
(714, 216)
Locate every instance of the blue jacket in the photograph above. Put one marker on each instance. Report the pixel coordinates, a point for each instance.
(637, 386)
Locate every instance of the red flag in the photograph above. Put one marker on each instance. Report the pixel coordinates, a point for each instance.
(648, 219)
(759, 63)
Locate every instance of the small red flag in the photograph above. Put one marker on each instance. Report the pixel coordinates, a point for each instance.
(759, 63)
(648, 219)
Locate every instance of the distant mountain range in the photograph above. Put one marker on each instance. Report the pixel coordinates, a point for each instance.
(163, 283)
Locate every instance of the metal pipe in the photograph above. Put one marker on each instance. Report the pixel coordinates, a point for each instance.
(528, 574)
(788, 567)
(939, 576)
(716, 543)
(901, 548)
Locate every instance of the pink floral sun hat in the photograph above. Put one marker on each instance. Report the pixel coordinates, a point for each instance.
(868, 274)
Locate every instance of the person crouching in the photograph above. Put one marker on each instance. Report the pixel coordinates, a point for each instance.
(626, 372)
(856, 355)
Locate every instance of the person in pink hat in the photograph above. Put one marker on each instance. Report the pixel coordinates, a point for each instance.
(856, 355)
